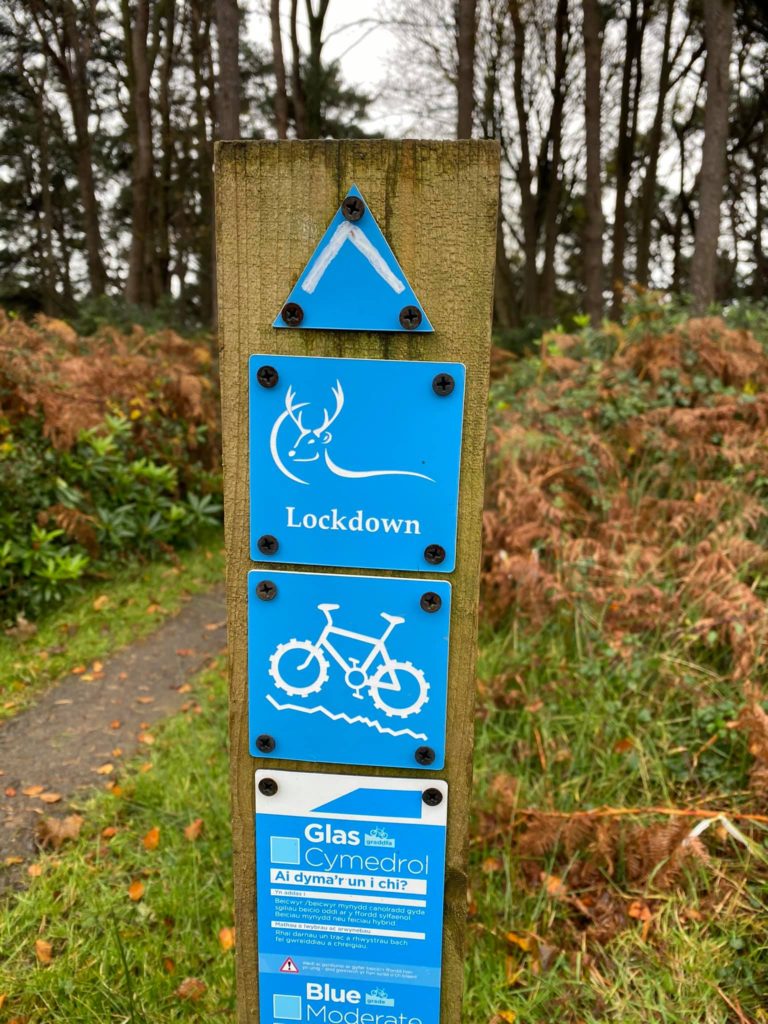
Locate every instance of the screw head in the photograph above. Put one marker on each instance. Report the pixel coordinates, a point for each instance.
(432, 797)
(443, 384)
(267, 376)
(431, 602)
(410, 317)
(268, 544)
(353, 208)
(265, 743)
(268, 787)
(266, 590)
(292, 314)
(434, 554)
(425, 755)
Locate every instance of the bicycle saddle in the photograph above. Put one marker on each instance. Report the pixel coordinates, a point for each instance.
(394, 619)
(328, 607)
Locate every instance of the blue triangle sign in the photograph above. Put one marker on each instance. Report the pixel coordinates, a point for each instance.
(353, 281)
(376, 803)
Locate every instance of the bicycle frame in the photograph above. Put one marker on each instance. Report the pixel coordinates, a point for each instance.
(377, 646)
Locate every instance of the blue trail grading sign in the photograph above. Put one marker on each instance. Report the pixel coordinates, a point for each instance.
(355, 462)
(348, 669)
(349, 879)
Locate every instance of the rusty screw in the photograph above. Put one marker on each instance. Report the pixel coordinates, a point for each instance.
(353, 208)
(269, 787)
(266, 590)
(431, 797)
(267, 376)
(434, 554)
(425, 756)
(431, 602)
(268, 544)
(266, 744)
(410, 317)
(443, 384)
(292, 314)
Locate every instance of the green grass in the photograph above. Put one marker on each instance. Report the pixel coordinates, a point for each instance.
(116, 960)
(706, 943)
(79, 631)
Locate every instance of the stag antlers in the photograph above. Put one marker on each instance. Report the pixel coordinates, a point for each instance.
(292, 408)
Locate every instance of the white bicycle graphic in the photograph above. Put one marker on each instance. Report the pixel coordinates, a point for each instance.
(300, 668)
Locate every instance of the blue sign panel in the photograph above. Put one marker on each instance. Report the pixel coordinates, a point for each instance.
(349, 881)
(355, 462)
(348, 669)
(353, 281)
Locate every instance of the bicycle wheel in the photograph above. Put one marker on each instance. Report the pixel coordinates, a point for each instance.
(412, 684)
(298, 667)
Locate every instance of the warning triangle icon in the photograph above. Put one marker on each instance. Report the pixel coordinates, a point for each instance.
(289, 967)
(353, 281)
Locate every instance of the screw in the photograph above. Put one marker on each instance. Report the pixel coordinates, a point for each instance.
(431, 797)
(266, 590)
(268, 545)
(353, 208)
(410, 317)
(266, 745)
(443, 384)
(431, 602)
(269, 787)
(433, 553)
(267, 376)
(292, 314)
(425, 755)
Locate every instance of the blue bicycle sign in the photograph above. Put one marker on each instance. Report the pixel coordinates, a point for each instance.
(359, 677)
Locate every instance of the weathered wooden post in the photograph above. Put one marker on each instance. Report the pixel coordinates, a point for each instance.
(354, 384)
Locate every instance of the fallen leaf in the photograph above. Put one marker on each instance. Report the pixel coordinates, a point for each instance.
(117, 752)
(185, 652)
(55, 831)
(43, 951)
(105, 769)
(491, 864)
(147, 738)
(192, 989)
(169, 965)
(61, 702)
(116, 790)
(78, 670)
(10, 861)
(145, 700)
(136, 890)
(193, 830)
(210, 626)
(185, 688)
(108, 832)
(145, 767)
(153, 609)
(151, 840)
(97, 667)
(523, 941)
(10, 791)
(35, 870)
(624, 746)
(50, 798)
(227, 938)
(554, 886)
(33, 790)
(3, 998)
(100, 603)
(122, 676)
(115, 724)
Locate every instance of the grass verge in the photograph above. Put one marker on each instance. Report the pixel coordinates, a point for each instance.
(125, 925)
(103, 618)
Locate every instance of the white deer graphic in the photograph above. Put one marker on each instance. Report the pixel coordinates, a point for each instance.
(311, 441)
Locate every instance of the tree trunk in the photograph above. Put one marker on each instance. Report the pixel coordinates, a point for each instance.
(297, 84)
(201, 56)
(593, 230)
(554, 192)
(466, 27)
(227, 18)
(136, 288)
(718, 31)
(524, 171)
(655, 138)
(281, 92)
(313, 79)
(624, 156)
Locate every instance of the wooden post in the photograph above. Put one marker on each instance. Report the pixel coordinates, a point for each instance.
(436, 203)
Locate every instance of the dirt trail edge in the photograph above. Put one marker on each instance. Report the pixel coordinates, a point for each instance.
(73, 729)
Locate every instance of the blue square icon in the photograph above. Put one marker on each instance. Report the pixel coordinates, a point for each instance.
(284, 850)
(287, 1007)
